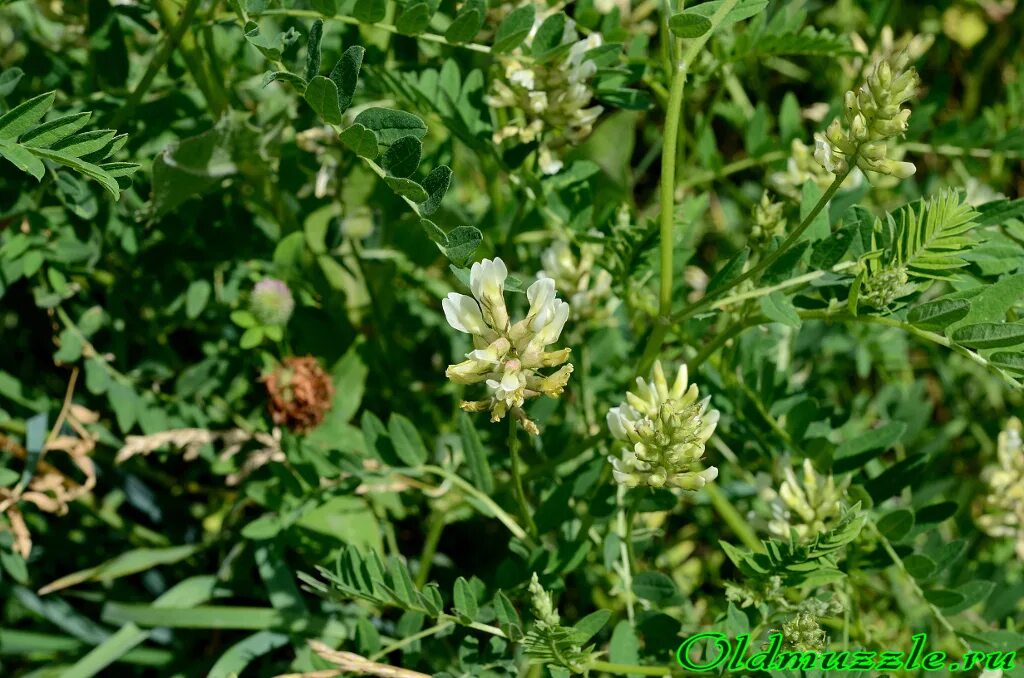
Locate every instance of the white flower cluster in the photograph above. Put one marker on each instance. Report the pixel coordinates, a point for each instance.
(550, 100)
(665, 429)
(873, 115)
(807, 505)
(1002, 510)
(507, 355)
(587, 286)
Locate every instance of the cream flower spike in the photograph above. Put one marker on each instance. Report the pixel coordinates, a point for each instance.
(665, 429)
(506, 356)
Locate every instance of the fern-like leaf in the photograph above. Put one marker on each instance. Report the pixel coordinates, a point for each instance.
(931, 238)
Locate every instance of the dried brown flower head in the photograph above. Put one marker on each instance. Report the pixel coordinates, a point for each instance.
(300, 393)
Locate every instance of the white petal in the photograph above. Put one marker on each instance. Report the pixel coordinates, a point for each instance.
(463, 313)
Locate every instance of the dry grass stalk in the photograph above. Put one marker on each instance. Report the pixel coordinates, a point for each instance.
(349, 662)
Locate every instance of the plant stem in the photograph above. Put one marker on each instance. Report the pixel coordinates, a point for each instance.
(668, 178)
(434, 530)
(517, 478)
(732, 518)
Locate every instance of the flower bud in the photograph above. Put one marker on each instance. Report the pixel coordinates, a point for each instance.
(272, 302)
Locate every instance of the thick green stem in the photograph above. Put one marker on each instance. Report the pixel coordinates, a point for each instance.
(517, 477)
(212, 89)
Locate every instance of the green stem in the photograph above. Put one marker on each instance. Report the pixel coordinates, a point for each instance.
(668, 179)
(517, 478)
(434, 530)
(732, 518)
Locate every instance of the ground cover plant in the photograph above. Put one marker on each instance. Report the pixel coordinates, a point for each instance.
(473, 338)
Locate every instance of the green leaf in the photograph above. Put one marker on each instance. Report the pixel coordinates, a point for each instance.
(465, 601)
(744, 9)
(732, 270)
(414, 19)
(654, 586)
(468, 22)
(98, 173)
(239, 656)
(944, 597)
(689, 24)
(9, 80)
(271, 48)
(406, 439)
(251, 338)
(196, 298)
(23, 159)
(370, 11)
(587, 628)
(624, 646)
(896, 524)
(390, 125)
(508, 618)
(548, 38)
(284, 76)
(316, 32)
(128, 563)
(851, 453)
(436, 185)
(345, 75)
(919, 566)
(476, 456)
(514, 29)
(462, 242)
(84, 143)
(989, 335)
(322, 95)
(998, 212)
(936, 315)
(407, 188)
(24, 117)
(777, 306)
(819, 228)
(402, 157)
(55, 130)
(361, 140)
(1011, 362)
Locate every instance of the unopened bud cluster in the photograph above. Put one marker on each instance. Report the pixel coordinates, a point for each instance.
(550, 101)
(665, 430)
(769, 220)
(587, 286)
(808, 504)
(871, 117)
(1002, 510)
(802, 633)
(883, 288)
(508, 355)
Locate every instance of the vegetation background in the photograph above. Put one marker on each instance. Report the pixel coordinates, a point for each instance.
(228, 445)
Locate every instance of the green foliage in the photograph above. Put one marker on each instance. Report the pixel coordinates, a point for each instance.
(261, 412)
